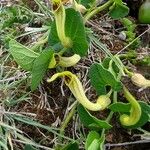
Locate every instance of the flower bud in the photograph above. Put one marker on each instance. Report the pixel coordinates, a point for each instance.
(78, 7)
(140, 81)
(58, 60)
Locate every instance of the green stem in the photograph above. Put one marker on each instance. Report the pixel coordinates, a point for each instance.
(130, 74)
(67, 119)
(97, 10)
(115, 97)
(128, 56)
(111, 113)
(108, 120)
(109, 93)
(62, 51)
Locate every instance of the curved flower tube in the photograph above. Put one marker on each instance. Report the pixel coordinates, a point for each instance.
(140, 80)
(76, 88)
(60, 17)
(58, 60)
(135, 112)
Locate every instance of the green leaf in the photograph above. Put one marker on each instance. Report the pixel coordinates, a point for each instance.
(92, 141)
(113, 66)
(76, 31)
(106, 62)
(23, 55)
(88, 3)
(29, 147)
(145, 107)
(90, 121)
(95, 145)
(102, 140)
(118, 10)
(53, 38)
(39, 68)
(71, 146)
(120, 107)
(101, 77)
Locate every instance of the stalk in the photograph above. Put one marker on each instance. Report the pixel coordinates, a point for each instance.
(97, 10)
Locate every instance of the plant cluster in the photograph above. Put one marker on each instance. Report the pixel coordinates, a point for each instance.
(68, 40)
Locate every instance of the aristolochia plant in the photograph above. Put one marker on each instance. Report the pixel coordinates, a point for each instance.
(67, 41)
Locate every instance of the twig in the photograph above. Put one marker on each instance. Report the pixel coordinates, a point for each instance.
(127, 143)
(34, 144)
(133, 41)
(17, 77)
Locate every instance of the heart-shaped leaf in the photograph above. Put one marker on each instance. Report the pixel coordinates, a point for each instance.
(90, 121)
(118, 10)
(101, 77)
(76, 31)
(39, 68)
(71, 146)
(92, 139)
(22, 55)
(120, 107)
(88, 3)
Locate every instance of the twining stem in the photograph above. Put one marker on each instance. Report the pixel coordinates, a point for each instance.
(97, 10)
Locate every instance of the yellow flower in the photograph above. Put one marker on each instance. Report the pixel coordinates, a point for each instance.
(76, 88)
(140, 80)
(135, 112)
(60, 18)
(58, 60)
(56, 1)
